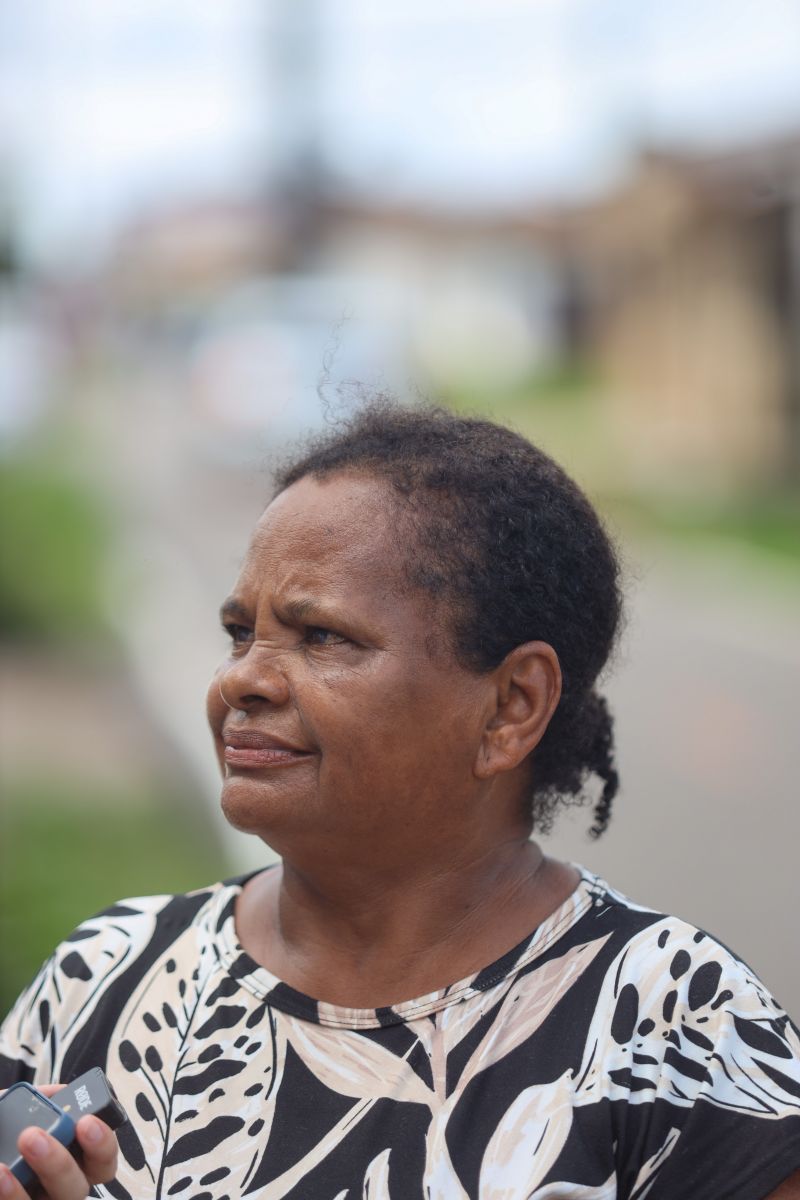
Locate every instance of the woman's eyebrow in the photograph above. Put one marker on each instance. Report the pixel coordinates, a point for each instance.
(301, 608)
(232, 608)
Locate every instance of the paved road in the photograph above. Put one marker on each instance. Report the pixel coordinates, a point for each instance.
(705, 693)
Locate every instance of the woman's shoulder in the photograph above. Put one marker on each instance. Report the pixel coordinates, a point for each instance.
(104, 957)
(674, 1008)
(657, 952)
(682, 1040)
(138, 920)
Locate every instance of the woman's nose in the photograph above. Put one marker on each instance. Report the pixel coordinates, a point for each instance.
(256, 677)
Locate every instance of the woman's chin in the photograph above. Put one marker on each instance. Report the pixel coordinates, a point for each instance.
(253, 806)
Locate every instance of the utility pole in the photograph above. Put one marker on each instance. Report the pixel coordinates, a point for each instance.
(297, 167)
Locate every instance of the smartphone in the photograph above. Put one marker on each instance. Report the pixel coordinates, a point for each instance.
(20, 1107)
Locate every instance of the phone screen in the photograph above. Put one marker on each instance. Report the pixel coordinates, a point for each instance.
(22, 1106)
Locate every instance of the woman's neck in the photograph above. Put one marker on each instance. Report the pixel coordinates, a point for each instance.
(359, 939)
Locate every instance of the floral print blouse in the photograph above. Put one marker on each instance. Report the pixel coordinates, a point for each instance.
(615, 1053)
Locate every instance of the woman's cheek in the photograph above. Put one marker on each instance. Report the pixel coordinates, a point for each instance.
(215, 712)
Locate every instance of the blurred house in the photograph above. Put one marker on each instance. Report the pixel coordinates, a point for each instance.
(264, 309)
(195, 248)
(481, 288)
(686, 281)
(682, 285)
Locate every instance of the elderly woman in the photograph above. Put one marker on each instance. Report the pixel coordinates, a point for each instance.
(416, 1003)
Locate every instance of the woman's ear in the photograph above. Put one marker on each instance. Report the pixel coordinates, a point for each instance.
(527, 688)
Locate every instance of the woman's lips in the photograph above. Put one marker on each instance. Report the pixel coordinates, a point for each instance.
(244, 756)
(252, 749)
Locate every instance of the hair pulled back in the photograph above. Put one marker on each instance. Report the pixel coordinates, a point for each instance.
(515, 551)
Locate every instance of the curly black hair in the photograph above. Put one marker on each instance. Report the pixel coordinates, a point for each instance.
(517, 553)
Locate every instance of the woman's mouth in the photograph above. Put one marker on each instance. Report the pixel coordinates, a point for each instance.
(252, 749)
(241, 756)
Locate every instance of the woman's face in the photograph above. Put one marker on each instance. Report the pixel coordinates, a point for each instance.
(345, 720)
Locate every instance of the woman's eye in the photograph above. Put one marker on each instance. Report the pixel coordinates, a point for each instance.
(238, 633)
(317, 635)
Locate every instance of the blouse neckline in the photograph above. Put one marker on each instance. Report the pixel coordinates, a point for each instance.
(269, 988)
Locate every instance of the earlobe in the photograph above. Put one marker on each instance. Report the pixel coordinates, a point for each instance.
(527, 690)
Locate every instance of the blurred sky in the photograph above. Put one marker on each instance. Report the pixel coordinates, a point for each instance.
(107, 106)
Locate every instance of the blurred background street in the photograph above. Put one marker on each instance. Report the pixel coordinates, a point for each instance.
(219, 228)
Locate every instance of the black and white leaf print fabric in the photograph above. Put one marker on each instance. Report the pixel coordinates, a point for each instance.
(615, 1053)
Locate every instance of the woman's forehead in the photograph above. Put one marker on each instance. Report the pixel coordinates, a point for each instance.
(342, 520)
(346, 495)
(333, 505)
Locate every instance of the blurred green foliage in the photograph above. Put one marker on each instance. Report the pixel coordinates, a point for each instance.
(68, 847)
(68, 853)
(559, 382)
(51, 554)
(766, 522)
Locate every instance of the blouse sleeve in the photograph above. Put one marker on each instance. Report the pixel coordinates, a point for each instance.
(715, 1064)
(28, 1035)
(61, 1002)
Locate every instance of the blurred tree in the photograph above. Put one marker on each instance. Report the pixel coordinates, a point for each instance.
(51, 555)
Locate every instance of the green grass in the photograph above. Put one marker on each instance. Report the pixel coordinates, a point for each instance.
(766, 523)
(566, 387)
(52, 552)
(65, 855)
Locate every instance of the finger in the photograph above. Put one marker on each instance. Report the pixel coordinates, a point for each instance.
(47, 1089)
(10, 1188)
(99, 1148)
(58, 1173)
